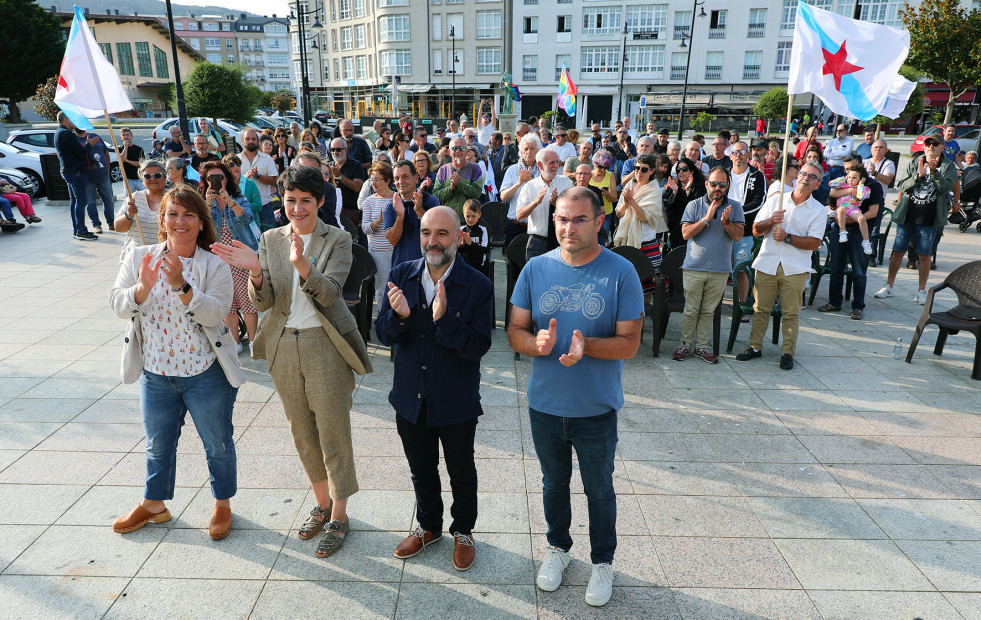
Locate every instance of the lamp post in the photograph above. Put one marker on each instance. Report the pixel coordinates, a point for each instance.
(179, 86)
(623, 68)
(453, 69)
(299, 16)
(682, 47)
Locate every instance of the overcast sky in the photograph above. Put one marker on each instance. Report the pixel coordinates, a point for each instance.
(260, 7)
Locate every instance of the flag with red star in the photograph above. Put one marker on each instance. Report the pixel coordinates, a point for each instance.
(852, 66)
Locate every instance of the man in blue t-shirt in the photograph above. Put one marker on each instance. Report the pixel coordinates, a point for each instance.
(952, 149)
(578, 311)
(401, 216)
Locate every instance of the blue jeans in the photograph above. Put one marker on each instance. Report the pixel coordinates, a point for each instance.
(922, 236)
(165, 401)
(835, 172)
(267, 217)
(104, 190)
(852, 250)
(604, 233)
(78, 195)
(595, 441)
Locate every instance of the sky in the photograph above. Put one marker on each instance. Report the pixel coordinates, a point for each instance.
(259, 7)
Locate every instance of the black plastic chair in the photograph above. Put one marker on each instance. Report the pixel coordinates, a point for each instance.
(351, 228)
(878, 236)
(822, 269)
(965, 316)
(495, 216)
(359, 289)
(664, 304)
(645, 269)
(738, 310)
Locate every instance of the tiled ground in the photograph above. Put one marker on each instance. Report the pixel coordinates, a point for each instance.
(847, 488)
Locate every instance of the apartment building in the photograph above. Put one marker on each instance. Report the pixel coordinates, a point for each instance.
(211, 35)
(264, 50)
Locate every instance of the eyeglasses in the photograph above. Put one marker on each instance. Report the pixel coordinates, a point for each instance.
(739, 151)
(232, 164)
(808, 177)
(152, 175)
(644, 169)
(469, 136)
(561, 135)
(575, 221)
(684, 169)
(718, 183)
(931, 143)
(338, 150)
(601, 167)
(457, 149)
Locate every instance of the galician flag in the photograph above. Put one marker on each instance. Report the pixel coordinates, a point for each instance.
(567, 93)
(852, 66)
(88, 85)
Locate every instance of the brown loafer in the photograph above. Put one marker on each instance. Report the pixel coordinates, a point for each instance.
(464, 552)
(415, 542)
(138, 518)
(221, 522)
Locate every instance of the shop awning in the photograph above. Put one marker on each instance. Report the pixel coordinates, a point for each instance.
(409, 88)
(939, 95)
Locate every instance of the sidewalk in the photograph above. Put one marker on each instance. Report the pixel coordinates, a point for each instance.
(849, 487)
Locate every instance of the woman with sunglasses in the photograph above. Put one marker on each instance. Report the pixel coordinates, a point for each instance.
(144, 204)
(606, 182)
(246, 186)
(400, 147)
(689, 185)
(424, 168)
(384, 141)
(641, 214)
(283, 153)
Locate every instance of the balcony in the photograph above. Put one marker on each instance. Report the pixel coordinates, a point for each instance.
(563, 37)
(756, 31)
(712, 72)
(717, 32)
(244, 47)
(529, 37)
(529, 75)
(677, 73)
(681, 32)
(751, 72)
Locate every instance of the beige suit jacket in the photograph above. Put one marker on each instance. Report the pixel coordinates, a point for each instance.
(330, 249)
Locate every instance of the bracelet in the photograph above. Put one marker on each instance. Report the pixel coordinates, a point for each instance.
(252, 275)
(177, 288)
(130, 218)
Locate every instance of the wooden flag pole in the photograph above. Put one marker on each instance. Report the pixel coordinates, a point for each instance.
(119, 160)
(786, 153)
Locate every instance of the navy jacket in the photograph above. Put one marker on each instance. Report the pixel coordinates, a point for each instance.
(72, 156)
(438, 361)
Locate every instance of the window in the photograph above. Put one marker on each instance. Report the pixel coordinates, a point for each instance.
(396, 62)
(647, 18)
(488, 25)
(211, 27)
(196, 44)
(717, 25)
(359, 8)
(333, 38)
(362, 62)
(348, 63)
(347, 42)
(561, 60)
(604, 20)
(783, 57)
(529, 68)
(231, 59)
(788, 14)
(454, 25)
(644, 59)
(360, 38)
(564, 23)
(435, 1)
(229, 44)
(393, 28)
(213, 58)
(713, 66)
(600, 59)
(107, 51)
(192, 25)
(751, 66)
(531, 25)
(226, 26)
(337, 70)
(682, 24)
(886, 12)
(384, 3)
(125, 54)
(212, 44)
(488, 60)
(278, 58)
(345, 9)
(454, 1)
(437, 28)
(757, 23)
(678, 62)
(531, 1)
(160, 58)
(438, 62)
(143, 59)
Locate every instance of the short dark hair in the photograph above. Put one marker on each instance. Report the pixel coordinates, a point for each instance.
(722, 169)
(852, 158)
(405, 162)
(647, 159)
(303, 178)
(577, 192)
(724, 134)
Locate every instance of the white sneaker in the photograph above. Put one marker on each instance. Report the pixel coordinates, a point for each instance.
(843, 237)
(867, 247)
(885, 291)
(251, 352)
(600, 587)
(550, 573)
(238, 347)
(920, 297)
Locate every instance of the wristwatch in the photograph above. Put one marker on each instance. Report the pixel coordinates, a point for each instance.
(788, 239)
(183, 289)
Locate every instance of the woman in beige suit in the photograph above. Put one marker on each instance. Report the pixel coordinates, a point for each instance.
(310, 340)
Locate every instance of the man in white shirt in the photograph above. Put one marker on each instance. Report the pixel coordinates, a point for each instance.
(836, 150)
(562, 147)
(792, 226)
(536, 201)
(487, 124)
(630, 130)
(262, 169)
(880, 168)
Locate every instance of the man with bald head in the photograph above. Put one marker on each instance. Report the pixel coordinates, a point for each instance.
(438, 313)
(459, 180)
(585, 156)
(357, 148)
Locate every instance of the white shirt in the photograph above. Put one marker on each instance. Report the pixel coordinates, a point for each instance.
(633, 135)
(428, 285)
(808, 219)
(302, 313)
(485, 133)
(883, 167)
(737, 188)
(267, 168)
(564, 152)
(538, 220)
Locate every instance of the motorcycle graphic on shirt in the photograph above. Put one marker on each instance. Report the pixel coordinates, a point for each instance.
(573, 299)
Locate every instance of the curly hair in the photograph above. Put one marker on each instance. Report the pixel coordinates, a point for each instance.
(230, 185)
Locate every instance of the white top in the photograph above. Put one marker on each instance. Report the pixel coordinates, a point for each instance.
(808, 219)
(538, 220)
(428, 285)
(485, 133)
(149, 220)
(174, 345)
(302, 315)
(267, 168)
(738, 186)
(883, 167)
(564, 152)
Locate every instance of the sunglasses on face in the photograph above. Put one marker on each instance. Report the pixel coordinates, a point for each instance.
(931, 143)
(561, 135)
(602, 167)
(232, 164)
(643, 169)
(722, 184)
(336, 150)
(684, 169)
(457, 149)
(152, 175)
(739, 151)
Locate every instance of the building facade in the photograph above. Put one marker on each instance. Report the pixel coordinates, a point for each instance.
(213, 36)
(264, 50)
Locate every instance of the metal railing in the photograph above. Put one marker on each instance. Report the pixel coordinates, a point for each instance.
(717, 32)
(712, 72)
(756, 31)
(751, 72)
(529, 75)
(677, 73)
(681, 32)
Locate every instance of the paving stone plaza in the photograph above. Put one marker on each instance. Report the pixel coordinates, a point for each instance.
(849, 487)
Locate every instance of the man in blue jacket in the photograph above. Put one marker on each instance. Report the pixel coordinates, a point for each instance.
(438, 313)
(73, 158)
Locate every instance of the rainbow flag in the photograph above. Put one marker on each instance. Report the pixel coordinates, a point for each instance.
(567, 93)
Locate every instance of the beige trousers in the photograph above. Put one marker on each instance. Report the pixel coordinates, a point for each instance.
(703, 292)
(765, 290)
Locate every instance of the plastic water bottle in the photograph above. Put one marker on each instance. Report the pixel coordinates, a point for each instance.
(897, 351)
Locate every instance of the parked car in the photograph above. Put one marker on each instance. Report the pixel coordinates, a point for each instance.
(261, 122)
(21, 180)
(162, 131)
(966, 137)
(13, 155)
(290, 117)
(322, 115)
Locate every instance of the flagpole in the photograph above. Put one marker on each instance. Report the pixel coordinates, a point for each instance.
(786, 153)
(119, 160)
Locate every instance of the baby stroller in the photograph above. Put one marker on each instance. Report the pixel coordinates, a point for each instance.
(970, 196)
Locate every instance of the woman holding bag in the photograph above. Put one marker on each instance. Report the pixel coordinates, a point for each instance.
(311, 343)
(641, 214)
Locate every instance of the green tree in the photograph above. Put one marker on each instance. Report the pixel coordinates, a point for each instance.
(31, 49)
(44, 104)
(265, 99)
(945, 44)
(703, 121)
(772, 104)
(283, 102)
(167, 95)
(218, 91)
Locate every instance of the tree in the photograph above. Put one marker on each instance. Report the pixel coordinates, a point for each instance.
(702, 122)
(915, 104)
(217, 91)
(31, 49)
(167, 95)
(945, 44)
(283, 102)
(772, 104)
(44, 104)
(265, 99)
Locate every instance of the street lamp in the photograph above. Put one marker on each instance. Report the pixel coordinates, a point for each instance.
(453, 60)
(298, 16)
(683, 47)
(181, 108)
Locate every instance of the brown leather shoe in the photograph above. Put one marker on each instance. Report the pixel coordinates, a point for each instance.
(221, 522)
(464, 552)
(415, 542)
(138, 518)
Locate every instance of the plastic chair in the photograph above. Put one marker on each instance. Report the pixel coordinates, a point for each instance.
(737, 308)
(664, 305)
(966, 284)
(359, 289)
(825, 269)
(645, 269)
(881, 235)
(495, 217)
(351, 228)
